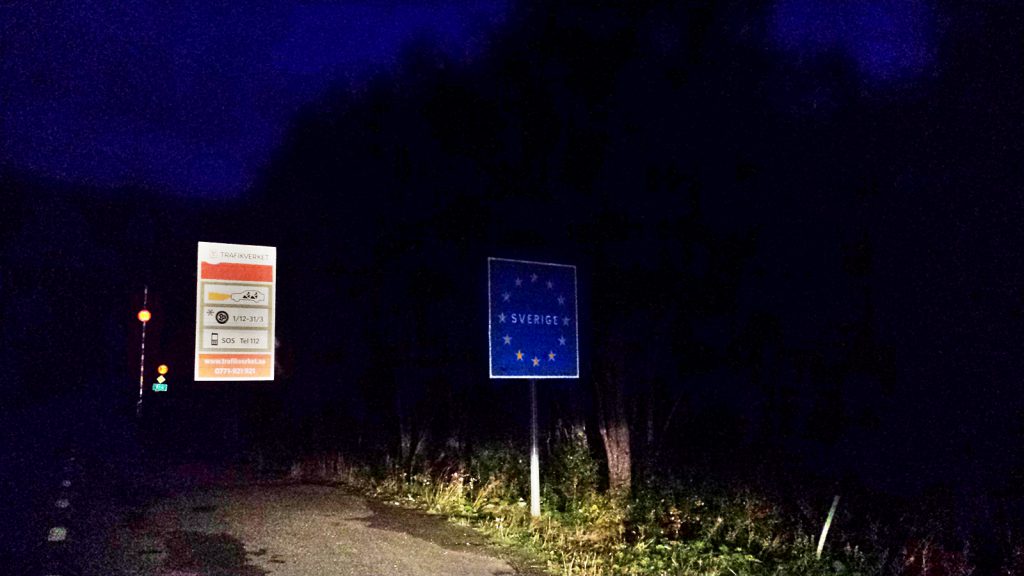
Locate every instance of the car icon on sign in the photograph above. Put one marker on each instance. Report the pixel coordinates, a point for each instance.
(255, 296)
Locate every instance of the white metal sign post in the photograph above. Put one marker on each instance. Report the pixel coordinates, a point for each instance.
(534, 454)
(532, 333)
(235, 294)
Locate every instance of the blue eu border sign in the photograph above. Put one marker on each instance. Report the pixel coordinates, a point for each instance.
(532, 320)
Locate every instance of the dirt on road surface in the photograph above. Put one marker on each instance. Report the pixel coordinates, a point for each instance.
(294, 530)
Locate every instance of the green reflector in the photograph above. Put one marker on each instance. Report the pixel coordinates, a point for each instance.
(159, 387)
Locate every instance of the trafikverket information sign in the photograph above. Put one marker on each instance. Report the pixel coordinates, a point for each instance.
(235, 295)
(532, 322)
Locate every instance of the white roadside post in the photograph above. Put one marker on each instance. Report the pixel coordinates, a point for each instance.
(828, 522)
(144, 316)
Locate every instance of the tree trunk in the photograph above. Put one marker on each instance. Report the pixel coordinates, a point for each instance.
(620, 462)
(612, 422)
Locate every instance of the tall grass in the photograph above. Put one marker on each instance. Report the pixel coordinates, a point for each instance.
(667, 528)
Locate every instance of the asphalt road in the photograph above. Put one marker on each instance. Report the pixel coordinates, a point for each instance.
(288, 530)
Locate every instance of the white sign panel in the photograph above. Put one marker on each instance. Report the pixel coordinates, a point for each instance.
(235, 297)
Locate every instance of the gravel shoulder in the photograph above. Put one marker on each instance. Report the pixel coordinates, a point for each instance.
(295, 530)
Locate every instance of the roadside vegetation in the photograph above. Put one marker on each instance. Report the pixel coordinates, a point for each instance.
(678, 526)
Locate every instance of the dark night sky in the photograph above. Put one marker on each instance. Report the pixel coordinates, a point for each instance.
(106, 93)
(167, 108)
(121, 87)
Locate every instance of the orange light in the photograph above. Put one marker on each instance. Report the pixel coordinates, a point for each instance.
(161, 369)
(144, 315)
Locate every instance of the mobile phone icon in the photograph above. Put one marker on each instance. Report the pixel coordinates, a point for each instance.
(213, 338)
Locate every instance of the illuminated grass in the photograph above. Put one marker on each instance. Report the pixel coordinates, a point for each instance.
(666, 528)
(656, 533)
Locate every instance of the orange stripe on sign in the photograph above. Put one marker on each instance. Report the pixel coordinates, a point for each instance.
(232, 271)
(235, 366)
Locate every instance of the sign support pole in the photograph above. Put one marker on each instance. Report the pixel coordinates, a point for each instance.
(534, 455)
